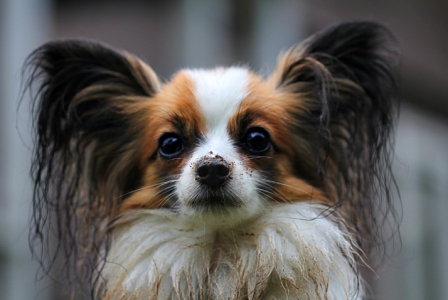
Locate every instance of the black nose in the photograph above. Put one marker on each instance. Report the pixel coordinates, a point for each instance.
(213, 173)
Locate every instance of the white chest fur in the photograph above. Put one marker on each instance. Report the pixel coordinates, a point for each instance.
(288, 253)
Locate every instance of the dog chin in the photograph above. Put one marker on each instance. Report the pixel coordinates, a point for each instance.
(236, 202)
(220, 211)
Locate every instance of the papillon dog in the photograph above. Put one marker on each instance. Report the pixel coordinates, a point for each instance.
(219, 184)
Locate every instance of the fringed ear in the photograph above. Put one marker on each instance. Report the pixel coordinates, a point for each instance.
(344, 82)
(88, 100)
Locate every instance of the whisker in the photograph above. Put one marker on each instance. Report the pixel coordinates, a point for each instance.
(283, 184)
(167, 198)
(147, 187)
(176, 158)
(158, 193)
(255, 157)
(276, 193)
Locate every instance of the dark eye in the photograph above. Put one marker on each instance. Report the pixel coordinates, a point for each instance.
(170, 145)
(257, 140)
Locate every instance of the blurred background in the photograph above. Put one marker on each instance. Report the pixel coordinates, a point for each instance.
(170, 35)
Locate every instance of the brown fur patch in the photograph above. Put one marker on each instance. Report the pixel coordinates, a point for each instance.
(173, 109)
(270, 109)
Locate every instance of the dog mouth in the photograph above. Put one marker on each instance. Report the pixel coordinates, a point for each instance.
(216, 199)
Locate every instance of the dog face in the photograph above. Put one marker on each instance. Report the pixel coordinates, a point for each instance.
(220, 156)
(217, 142)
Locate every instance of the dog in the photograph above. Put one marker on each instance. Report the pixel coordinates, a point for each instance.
(218, 184)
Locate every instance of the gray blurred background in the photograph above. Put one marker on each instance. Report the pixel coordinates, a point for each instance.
(170, 35)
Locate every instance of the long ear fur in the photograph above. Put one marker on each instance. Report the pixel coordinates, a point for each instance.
(346, 109)
(88, 100)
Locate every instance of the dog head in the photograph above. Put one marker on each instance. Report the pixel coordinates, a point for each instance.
(217, 148)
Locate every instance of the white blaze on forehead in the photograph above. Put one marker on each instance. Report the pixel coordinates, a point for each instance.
(219, 92)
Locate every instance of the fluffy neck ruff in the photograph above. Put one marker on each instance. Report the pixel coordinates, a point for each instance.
(290, 252)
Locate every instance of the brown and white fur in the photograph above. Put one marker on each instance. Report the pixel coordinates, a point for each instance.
(218, 184)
